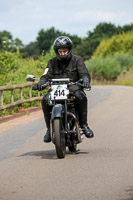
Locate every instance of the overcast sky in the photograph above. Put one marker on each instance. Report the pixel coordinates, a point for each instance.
(25, 18)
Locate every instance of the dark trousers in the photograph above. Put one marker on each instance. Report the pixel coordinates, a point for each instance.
(80, 103)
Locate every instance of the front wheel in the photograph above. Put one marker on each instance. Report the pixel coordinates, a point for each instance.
(60, 142)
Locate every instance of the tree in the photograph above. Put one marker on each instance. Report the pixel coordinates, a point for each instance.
(31, 50)
(125, 28)
(86, 48)
(17, 43)
(90, 43)
(5, 39)
(46, 38)
(116, 44)
(7, 42)
(102, 30)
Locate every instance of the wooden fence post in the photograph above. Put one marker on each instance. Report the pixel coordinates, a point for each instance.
(1, 96)
(30, 94)
(22, 100)
(12, 100)
(21, 94)
(92, 77)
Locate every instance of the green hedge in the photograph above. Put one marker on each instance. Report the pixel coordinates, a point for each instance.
(112, 56)
(106, 68)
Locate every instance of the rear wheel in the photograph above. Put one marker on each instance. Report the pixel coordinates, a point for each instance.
(73, 147)
(60, 142)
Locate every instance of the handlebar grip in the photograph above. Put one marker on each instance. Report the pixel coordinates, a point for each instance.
(80, 84)
(44, 85)
(34, 87)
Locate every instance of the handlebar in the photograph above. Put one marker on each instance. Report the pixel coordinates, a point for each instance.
(61, 81)
(51, 82)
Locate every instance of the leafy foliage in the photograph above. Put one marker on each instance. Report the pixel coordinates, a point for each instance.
(84, 47)
(118, 43)
(125, 60)
(111, 66)
(46, 38)
(9, 63)
(31, 50)
(5, 37)
(14, 70)
(104, 68)
(90, 43)
(102, 31)
(113, 47)
(8, 43)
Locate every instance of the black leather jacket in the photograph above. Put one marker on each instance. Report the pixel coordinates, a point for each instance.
(74, 69)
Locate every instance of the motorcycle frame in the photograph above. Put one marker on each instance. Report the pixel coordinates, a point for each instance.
(57, 112)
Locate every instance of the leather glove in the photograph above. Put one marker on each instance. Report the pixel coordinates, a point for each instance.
(34, 87)
(85, 82)
(38, 86)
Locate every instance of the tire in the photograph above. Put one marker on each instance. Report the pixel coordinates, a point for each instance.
(60, 143)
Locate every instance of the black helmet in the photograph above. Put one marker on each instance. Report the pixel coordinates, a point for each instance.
(60, 43)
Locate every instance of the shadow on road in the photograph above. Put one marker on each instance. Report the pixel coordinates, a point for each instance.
(129, 192)
(50, 154)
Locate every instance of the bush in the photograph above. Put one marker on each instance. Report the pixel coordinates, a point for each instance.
(13, 70)
(107, 68)
(9, 63)
(125, 60)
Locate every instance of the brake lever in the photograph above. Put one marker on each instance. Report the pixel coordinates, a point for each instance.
(45, 85)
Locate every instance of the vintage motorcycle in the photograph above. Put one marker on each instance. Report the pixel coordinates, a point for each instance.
(64, 125)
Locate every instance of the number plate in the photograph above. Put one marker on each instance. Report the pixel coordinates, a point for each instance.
(59, 92)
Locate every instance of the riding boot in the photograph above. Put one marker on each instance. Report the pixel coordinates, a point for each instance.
(47, 137)
(46, 111)
(87, 131)
(83, 123)
(82, 113)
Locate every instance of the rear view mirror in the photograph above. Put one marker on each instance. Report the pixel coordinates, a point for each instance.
(30, 78)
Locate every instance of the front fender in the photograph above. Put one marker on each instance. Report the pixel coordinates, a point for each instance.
(57, 111)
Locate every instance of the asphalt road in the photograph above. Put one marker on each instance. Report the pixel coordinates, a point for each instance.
(101, 169)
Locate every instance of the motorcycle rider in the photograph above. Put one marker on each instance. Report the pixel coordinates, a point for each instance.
(66, 65)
